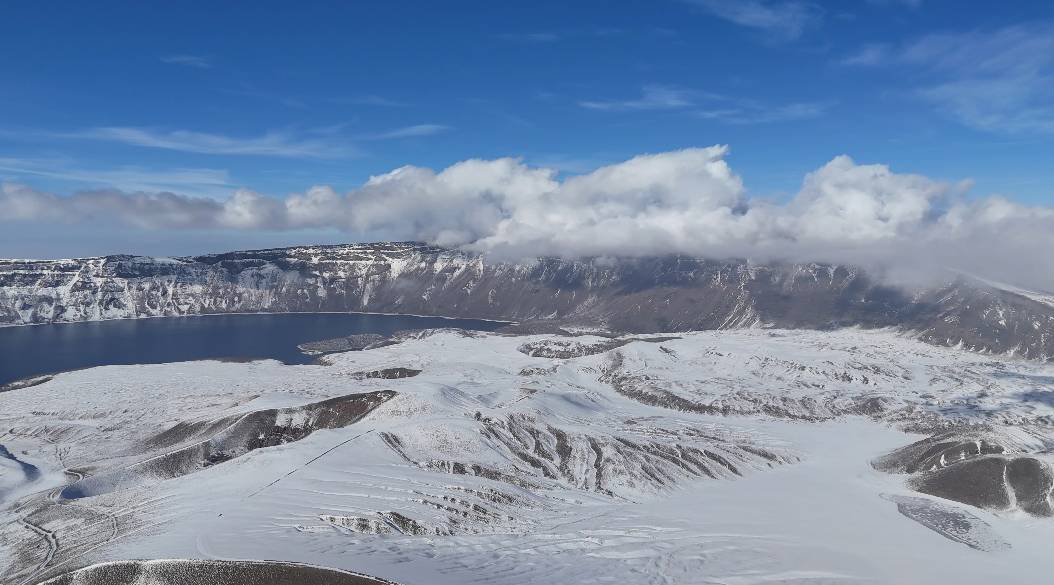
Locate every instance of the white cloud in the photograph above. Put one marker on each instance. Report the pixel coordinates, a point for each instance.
(196, 61)
(997, 80)
(153, 210)
(784, 19)
(687, 202)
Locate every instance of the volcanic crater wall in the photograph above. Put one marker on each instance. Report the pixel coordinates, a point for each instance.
(670, 293)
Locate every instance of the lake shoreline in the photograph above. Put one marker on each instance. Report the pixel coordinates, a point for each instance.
(29, 354)
(144, 317)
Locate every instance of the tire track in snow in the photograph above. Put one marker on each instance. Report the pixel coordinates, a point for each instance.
(320, 456)
(53, 547)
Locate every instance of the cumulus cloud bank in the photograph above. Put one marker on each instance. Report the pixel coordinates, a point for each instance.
(685, 202)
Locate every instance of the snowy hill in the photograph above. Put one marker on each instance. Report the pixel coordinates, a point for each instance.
(749, 456)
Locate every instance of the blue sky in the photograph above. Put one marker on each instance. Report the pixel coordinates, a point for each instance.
(201, 98)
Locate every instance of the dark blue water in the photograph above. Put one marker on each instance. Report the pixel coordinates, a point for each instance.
(45, 349)
(31, 472)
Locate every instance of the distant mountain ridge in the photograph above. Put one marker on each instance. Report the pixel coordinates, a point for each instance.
(669, 293)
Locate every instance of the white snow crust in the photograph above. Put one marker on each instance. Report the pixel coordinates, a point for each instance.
(818, 513)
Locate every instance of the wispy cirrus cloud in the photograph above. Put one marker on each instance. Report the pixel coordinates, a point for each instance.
(711, 106)
(781, 19)
(553, 36)
(997, 80)
(196, 61)
(369, 100)
(869, 54)
(531, 37)
(415, 131)
(652, 97)
(201, 182)
(328, 142)
(288, 101)
(273, 143)
(749, 112)
(914, 4)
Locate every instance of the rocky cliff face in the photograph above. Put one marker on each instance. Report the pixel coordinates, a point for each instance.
(648, 294)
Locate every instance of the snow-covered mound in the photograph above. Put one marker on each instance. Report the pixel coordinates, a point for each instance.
(189, 447)
(444, 457)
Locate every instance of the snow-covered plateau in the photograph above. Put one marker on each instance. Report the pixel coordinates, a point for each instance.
(449, 457)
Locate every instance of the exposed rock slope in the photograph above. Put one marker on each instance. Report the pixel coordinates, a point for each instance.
(979, 467)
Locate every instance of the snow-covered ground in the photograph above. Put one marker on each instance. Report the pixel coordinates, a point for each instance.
(713, 457)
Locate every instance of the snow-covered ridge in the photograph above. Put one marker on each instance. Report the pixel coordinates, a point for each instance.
(668, 293)
(747, 456)
(1046, 298)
